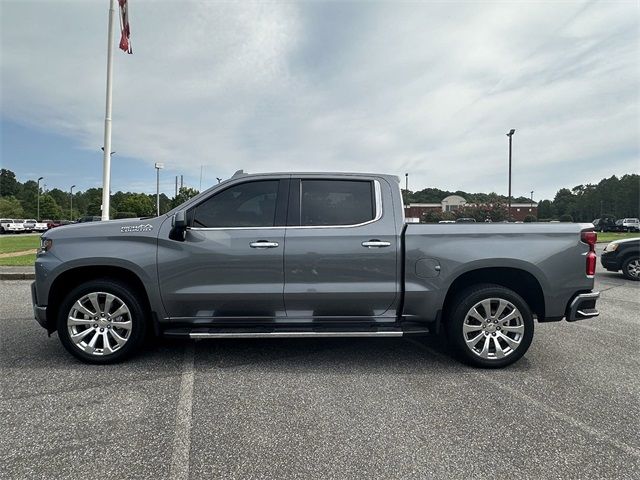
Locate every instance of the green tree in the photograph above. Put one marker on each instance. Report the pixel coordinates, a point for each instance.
(28, 197)
(165, 203)
(545, 209)
(184, 194)
(49, 208)
(139, 203)
(10, 207)
(9, 186)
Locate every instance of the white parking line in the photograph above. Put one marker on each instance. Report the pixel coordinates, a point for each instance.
(182, 437)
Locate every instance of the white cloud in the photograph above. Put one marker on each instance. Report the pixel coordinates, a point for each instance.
(426, 88)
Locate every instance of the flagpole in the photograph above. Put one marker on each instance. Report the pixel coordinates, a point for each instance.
(106, 161)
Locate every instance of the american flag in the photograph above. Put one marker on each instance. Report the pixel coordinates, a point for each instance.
(125, 41)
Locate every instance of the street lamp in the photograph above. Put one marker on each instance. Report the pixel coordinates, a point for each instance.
(38, 215)
(510, 135)
(406, 182)
(71, 207)
(158, 167)
(531, 198)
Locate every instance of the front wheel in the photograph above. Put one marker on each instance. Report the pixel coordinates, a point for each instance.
(631, 268)
(101, 321)
(490, 326)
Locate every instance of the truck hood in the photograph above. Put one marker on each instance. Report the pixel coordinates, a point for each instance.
(109, 228)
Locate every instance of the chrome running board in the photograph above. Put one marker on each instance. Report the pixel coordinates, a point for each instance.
(392, 333)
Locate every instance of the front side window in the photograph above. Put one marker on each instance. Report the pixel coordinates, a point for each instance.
(336, 202)
(251, 204)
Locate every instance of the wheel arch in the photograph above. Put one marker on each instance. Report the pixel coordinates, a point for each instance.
(520, 281)
(71, 278)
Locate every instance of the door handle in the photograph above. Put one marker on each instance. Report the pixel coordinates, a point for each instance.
(375, 244)
(263, 244)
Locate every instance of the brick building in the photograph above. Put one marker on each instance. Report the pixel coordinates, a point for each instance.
(413, 212)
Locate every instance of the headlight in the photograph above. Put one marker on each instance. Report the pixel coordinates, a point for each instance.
(612, 247)
(46, 244)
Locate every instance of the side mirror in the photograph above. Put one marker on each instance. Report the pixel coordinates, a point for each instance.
(179, 220)
(179, 226)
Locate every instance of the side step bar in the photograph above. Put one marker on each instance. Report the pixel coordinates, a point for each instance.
(295, 334)
(204, 333)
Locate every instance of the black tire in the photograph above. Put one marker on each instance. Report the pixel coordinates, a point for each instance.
(137, 313)
(1, 230)
(626, 271)
(464, 302)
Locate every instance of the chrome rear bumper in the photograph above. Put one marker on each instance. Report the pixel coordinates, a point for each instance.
(583, 306)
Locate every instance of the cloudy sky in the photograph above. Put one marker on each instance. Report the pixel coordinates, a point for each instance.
(428, 88)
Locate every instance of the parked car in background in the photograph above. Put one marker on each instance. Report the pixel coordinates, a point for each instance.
(623, 255)
(631, 224)
(9, 225)
(605, 224)
(465, 220)
(89, 218)
(31, 225)
(57, 223)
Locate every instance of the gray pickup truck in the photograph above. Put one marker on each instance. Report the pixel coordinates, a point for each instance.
(309, 255)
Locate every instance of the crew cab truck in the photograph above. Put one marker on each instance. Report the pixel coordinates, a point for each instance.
(310, 255)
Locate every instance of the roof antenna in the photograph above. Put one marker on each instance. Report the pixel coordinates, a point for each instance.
(239, 173)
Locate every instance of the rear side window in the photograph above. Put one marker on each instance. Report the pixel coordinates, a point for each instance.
(251, 204)
(336, 202)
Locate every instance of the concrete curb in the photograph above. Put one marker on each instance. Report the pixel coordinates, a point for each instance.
(17, 276)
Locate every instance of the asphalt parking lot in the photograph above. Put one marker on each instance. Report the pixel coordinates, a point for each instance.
(325, 408)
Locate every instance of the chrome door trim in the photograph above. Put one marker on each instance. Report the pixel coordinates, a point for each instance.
(378, 198)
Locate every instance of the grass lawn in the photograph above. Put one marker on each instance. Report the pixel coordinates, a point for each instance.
(611, 236)
(20, 261)
(18, 243)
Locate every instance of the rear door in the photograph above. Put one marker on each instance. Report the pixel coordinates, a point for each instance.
(230, 264)
(341, 248)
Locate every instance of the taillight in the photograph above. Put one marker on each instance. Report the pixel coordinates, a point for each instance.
(590, 239)
(591, 263)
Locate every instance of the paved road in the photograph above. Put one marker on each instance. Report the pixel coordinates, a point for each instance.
(356, 408)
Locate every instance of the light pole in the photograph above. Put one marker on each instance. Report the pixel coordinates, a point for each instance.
(38, 201)
(158, 167)
(71, 198)
(510, 135)
(531, 198)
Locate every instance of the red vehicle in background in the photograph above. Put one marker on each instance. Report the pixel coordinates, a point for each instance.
(56, 223)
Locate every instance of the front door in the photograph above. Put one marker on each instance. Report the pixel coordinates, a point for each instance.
(342, 251)
(230, 264)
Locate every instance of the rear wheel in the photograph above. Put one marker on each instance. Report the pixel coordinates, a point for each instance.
(101, 321)
(631, 268)
(490, 326)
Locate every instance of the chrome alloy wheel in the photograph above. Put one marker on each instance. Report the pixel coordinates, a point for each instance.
(99, 323)
(493, 328)
(633, 268)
